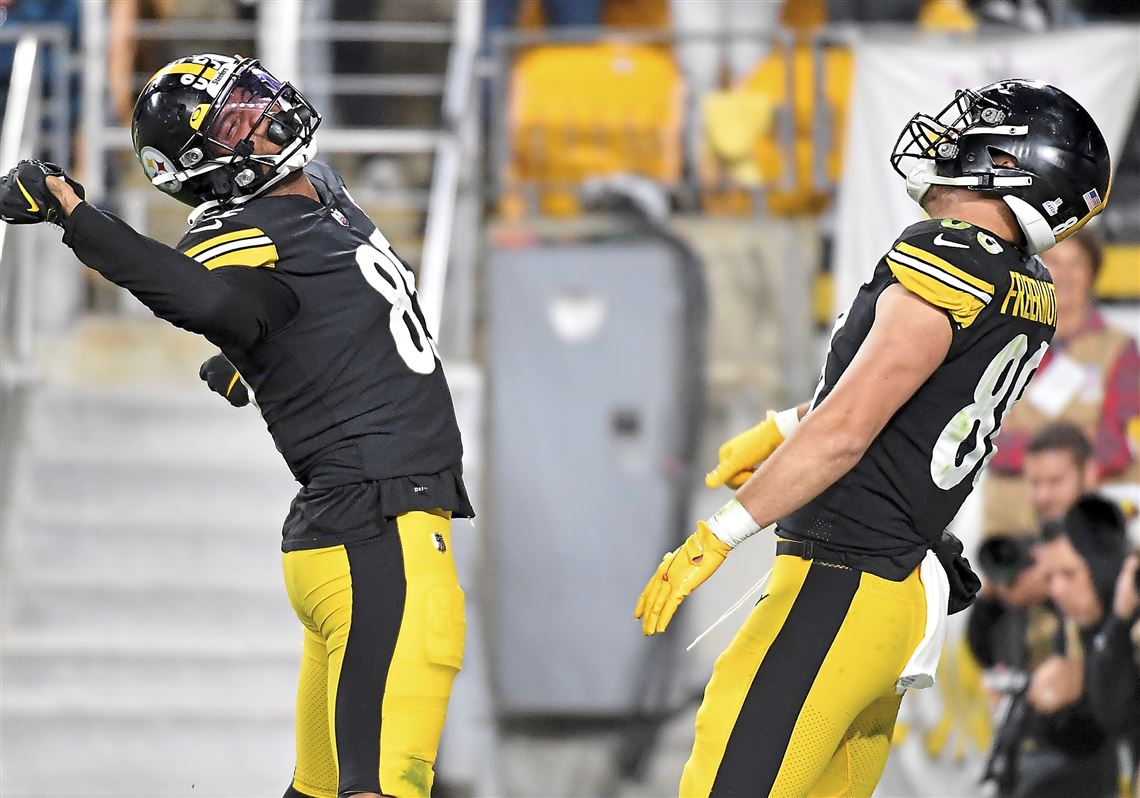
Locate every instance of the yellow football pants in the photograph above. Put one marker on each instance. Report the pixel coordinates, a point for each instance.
(802, 702)
(383, 639)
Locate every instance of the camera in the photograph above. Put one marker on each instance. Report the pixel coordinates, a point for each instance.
(1003, 557)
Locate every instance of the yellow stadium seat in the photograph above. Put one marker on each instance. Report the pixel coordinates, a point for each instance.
(579, 111)
(770, 80)
(1120, 273)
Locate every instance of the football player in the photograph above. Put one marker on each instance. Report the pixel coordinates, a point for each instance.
(307, 300)
(861, 482)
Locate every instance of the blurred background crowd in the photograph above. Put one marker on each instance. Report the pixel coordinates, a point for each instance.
(633, 223)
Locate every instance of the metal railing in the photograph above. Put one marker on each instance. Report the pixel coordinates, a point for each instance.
(505, 45)
(20, 137)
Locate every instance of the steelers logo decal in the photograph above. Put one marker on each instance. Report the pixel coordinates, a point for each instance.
(155, 164)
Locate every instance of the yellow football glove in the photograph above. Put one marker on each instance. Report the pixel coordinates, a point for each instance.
(739, 456)
(680, 573)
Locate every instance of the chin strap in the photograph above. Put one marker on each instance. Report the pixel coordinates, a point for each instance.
(283, 166)
(1038, 235)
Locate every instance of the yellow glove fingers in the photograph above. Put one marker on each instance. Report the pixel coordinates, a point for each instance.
(738, 479)
(657, 602)
(667, 612)
(646, 597)
(745, 451)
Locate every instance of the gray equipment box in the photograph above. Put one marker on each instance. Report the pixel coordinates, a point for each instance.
(595, 366)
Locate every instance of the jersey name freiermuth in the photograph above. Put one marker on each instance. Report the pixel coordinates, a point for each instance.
(351, 388)
(893, 505)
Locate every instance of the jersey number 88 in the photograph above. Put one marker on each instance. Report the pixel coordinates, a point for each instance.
(1004, 380)
(388, 275)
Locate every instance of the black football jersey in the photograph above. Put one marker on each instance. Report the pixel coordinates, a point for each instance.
(893, 505)
(351, 388)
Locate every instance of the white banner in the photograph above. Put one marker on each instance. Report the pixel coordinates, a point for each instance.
(1098, 66)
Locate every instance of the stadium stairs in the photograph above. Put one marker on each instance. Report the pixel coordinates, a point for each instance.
(146, 643)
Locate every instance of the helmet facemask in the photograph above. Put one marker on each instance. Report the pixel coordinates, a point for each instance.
(221, 163)
(1059, 175)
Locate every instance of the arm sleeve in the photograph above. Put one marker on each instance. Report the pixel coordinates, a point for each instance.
(1112, 677)
(232, 308)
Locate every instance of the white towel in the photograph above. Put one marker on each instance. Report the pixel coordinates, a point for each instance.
(920, 668)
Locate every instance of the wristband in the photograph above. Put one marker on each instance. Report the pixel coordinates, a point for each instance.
(732, 523)
(787, 421)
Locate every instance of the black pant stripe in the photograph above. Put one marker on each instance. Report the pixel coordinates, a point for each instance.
(768, 715)
(378, 593)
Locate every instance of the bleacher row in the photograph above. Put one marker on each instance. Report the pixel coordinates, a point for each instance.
(582, 110)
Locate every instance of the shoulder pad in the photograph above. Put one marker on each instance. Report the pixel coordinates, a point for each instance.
(228, 239)
(950, 264)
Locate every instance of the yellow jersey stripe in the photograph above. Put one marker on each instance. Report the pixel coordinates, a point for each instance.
(939, 274)
(944, 265)
(251, 257)
(224, 238)
(963, 307)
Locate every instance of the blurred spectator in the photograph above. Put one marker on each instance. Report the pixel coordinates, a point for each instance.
(123, 51)
(1090, 377)
(1084, 560)
(44, 12)
(1060, 745)
(880, 11)
(504, 14)
(1114, 663)
(1059, 469)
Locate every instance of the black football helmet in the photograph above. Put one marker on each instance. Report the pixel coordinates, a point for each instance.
(193, 127)
(1062, 176)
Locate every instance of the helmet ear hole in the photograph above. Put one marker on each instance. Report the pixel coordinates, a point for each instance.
(1002, 159)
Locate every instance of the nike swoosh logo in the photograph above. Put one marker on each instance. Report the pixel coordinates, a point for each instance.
(214, 225)
(32, 206)
(942, 242)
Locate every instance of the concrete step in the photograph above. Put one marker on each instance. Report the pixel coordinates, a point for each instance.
(220, 549)
(149, 424)
(109, 682)
(151, 755)
(127, 604)
(125, 486)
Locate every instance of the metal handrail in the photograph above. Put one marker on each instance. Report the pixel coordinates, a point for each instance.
(18, 140)
(454, 145)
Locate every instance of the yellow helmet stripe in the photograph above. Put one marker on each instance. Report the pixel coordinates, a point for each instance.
(207, 72)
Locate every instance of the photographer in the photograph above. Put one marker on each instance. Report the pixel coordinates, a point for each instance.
(1047, 741)
(1082, 555)
(1011, 626)
(1114, 665)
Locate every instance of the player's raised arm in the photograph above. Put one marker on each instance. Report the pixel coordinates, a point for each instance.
(230, 309)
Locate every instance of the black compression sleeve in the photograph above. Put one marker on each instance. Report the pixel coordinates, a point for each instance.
(230, 310)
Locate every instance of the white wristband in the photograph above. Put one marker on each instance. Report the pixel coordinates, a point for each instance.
(732, 523)
(787, 421)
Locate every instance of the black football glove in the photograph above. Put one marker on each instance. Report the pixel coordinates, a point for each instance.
(224, 380)
(25, 197)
